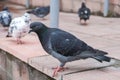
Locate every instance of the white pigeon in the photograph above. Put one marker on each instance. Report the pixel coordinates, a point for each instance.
(19, 27)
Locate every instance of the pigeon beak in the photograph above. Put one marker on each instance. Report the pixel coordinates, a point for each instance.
(30, 31)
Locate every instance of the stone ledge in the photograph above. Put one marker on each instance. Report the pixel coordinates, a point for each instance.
(46, 63)
(12, 68)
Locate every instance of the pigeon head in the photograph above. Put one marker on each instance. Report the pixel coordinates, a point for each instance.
(26, 17)
(83, 5)
(37, 27)
(5, 8)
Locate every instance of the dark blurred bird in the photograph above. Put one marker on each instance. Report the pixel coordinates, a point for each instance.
(65, 46)
(5, 8)
(84, 13)
(5, 17)
(40, 12)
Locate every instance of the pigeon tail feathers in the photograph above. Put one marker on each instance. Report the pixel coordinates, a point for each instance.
(102, 58)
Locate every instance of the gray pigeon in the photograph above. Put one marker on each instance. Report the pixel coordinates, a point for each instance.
(84, 12)
(65, 46)
(5, 17)
(40, 12)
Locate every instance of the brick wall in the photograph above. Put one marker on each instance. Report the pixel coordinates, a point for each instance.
(73, 5)
(115, 6)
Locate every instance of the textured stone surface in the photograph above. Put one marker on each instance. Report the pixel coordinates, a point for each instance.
(48, 62)
(101, 33)
(102, 74)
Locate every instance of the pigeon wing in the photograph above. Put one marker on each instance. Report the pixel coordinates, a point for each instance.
(66, 44)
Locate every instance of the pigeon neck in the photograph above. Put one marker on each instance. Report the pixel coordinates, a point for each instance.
(41, 32)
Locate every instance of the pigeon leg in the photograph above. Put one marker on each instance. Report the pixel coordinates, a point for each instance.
(19, 41)
(58, 69)
(6, 28)
(80, 21)
(43, 18)
(85, 22)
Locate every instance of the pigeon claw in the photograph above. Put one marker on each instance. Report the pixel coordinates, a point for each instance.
(58, 69)
(19, 41)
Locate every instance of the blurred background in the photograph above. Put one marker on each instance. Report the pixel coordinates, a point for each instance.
(96, 6)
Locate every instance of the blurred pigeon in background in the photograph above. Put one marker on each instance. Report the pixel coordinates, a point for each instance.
(19, 27)
(65, 46)
(84, 13)
(40, 12)
(5, 17)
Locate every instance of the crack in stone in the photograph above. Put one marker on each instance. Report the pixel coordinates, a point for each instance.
(116, 65)
(89, 69)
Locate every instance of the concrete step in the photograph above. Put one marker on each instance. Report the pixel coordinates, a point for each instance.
(46, 63)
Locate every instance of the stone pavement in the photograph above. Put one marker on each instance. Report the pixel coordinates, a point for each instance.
(101, 33)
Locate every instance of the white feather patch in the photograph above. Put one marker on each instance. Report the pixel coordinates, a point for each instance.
(86, 11)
